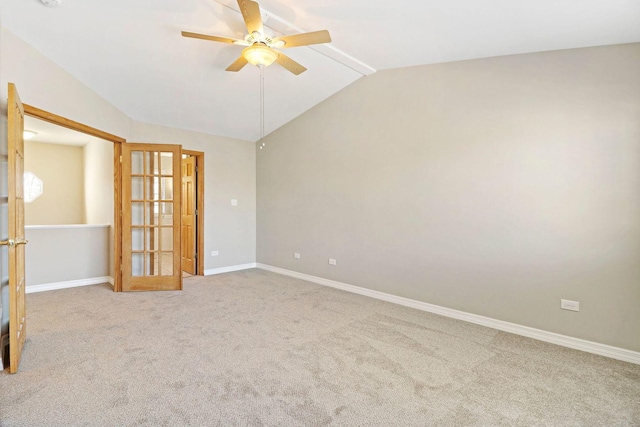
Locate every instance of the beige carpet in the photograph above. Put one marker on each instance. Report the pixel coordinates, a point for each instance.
(256, 348)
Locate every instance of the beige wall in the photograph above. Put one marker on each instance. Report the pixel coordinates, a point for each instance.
(229, 174)
(60, 167)
(494, 186)
(98, 182)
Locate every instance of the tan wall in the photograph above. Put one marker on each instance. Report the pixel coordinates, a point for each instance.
(60, 167)
(494, 186)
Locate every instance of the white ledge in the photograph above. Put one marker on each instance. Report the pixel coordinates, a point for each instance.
(63, 226)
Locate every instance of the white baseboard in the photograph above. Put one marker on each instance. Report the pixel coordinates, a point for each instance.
(229, 269)
(68, 284)
(550, 337)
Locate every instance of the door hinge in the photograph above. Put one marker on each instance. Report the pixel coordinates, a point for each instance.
(195, 255)
(197, 168)
(196, 212)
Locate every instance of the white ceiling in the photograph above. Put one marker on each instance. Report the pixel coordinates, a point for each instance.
(132, 53)
(54, 134)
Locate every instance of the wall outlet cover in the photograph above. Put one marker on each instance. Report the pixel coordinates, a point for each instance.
(566, 304)
(215, 253)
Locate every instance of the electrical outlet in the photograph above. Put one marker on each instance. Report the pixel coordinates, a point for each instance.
(234, 202)
(296, 255)
(332, 261)
(566, 304)
(215, 253)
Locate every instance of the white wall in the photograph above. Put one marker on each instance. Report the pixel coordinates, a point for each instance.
(44, 84)
(494, 186)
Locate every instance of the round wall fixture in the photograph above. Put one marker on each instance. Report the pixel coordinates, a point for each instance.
(52, 3)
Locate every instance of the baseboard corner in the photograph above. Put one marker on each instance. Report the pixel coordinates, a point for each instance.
(229, 269)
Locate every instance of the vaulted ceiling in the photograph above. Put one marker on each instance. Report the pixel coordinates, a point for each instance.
(132, 54)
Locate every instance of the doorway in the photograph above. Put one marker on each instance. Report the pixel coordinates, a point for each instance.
(68, 189)
(192, 213)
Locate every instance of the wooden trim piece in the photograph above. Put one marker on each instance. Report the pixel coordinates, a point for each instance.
(32, 111)
(117, 217)
(199, 155)
(38, 113)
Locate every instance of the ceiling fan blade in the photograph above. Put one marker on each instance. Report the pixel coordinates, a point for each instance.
(237, 65)
(212, 38)
(304, 39)
(251, 13)
(290, 64)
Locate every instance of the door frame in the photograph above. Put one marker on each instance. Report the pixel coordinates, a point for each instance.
(199, 156)
(38, 113)
(117, 141)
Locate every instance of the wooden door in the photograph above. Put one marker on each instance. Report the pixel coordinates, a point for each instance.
(188, 215)
(151, 217)
(16, 240)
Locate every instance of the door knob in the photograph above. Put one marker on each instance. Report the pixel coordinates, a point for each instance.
(11, 243)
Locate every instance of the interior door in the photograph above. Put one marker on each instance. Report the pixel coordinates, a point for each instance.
(16, 240)
(188, 215)
(151, 217)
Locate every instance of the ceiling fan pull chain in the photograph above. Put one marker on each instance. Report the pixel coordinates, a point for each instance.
(262, 107)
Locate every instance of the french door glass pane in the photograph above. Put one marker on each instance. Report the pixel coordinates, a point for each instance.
(137, 189)
(153, 188)
(137, 213)
(167, 163)
(167, 263)
(137, 239)
(137, 167)
(137, 264)
(166, 238)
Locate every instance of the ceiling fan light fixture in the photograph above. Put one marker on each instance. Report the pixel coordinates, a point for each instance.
(260, 55)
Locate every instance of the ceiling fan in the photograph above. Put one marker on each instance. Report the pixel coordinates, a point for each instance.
(260, 47)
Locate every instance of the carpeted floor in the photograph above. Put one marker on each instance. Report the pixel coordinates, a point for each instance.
(257, 348)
